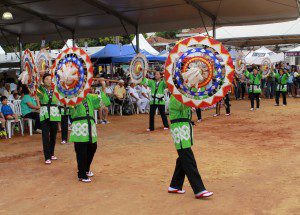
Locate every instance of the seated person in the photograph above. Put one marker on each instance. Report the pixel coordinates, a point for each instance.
(2, 125)
(120, 92)
(141, 102)
(7, 111)
(30, 108)
(14, 96)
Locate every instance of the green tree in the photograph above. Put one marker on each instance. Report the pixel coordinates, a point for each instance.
(168, 34)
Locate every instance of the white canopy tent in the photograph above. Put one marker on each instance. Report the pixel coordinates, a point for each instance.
(257, 56)
(69, 44)
(258, 35)
(144, 45)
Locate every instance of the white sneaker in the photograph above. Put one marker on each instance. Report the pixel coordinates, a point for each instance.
(257, 108)
(148, 129)
(90, 174)
(63, 142)
(199, 120)
(252, 109)
(48, 161)
(284, 105)
(85, 180)
(227, 114)
(215, 115)
(165, 128)
(53, 158)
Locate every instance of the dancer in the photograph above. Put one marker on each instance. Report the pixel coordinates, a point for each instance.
(227, 104)
(182, 133)
(281, 80)
(157, 100)
(84, 135)
(49, 117)
(254, 89)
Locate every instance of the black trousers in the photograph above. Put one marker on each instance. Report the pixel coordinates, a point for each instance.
(64, 127)
(198, 112)
(256, 97)
(227, 103)
(161, 109)
(243, 87)
(278, 96)
(36, 117)
(186, 166)
(49, 132)
(85, 152)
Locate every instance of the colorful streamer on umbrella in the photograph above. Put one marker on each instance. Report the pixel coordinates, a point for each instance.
(195, 76)
(29, 75)
(138, 68)
(72, 74)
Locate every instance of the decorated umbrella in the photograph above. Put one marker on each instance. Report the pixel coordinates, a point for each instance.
(43, 62)
(199, 81)
(266, 65)
(138, 68)
(29, 75)
(72, 74)
(240, 64)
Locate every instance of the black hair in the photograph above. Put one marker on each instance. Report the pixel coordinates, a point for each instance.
(3, 98)
(25, 89)
(46, 75)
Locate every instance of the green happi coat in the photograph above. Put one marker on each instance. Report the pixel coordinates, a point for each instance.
(182, 132)
(80, 128)
(54, 114)
(64, 110)
(255, 81)
(281, 81)
(157, 91)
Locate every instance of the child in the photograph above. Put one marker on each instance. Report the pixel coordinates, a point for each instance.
(2, 126)
(7, 111)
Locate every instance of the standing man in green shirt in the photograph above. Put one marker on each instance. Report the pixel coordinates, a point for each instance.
(157, 99)
(182, 134)
(281, 80)
(255, 86)
(84, 134)
(49, 117)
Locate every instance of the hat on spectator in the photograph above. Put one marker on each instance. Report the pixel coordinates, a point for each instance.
(121, 81)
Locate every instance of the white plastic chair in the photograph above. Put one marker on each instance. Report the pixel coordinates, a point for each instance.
(18, 111)
(9, 123)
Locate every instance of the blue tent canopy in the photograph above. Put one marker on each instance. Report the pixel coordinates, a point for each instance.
(122, 54)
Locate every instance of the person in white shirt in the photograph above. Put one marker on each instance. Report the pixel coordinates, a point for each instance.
(144, 94)
(141, 102)
(6, 91)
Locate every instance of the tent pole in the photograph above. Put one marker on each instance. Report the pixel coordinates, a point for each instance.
(20, 53)
(214, 28)
(73, 39)
(137, 39)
